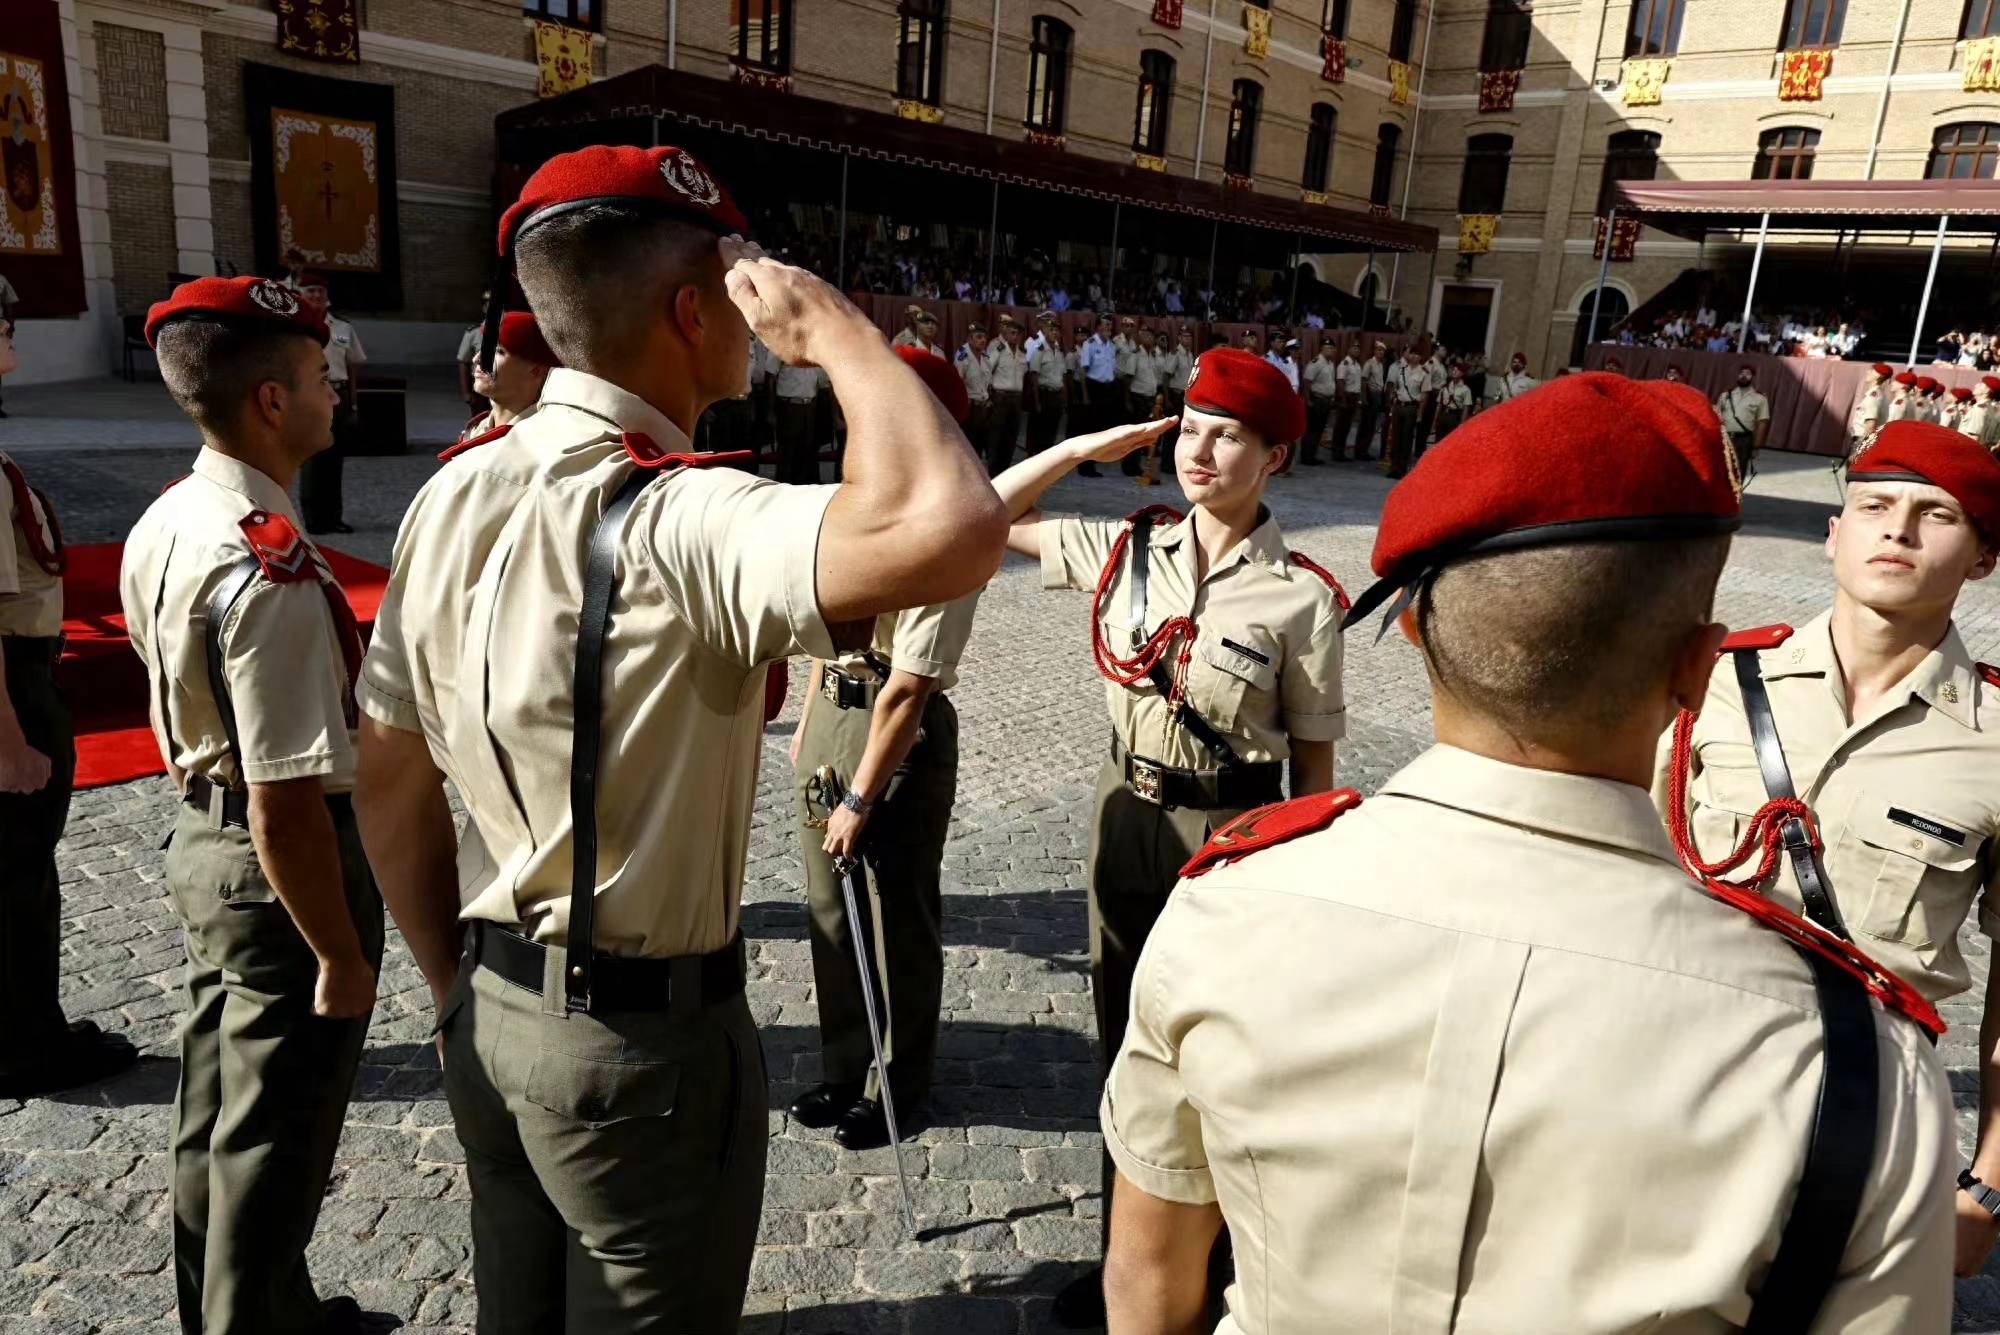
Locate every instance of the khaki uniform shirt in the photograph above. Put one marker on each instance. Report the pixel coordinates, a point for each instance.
(1933, 409)
(31, 599)
(906, 337)
(343, 345)
(1972, 422)
(1008, 365)
(1870, 407)
(1126, 349)
(1145, 375)
(1480, 1057)
(474, 646)
(1266, 665)
(1406, 383)
(1322, 379)
(922, 641)
(1906, 406)
(1373, 376)
(1348, 375)
(1047, 364)
(1908, 801)
(1951, 413)
(1177, 365)
(976, 370)
(1435, 376)
(282, 657)
(1516, 383)
(1741, 410)
(1456, 396)
(796, 382)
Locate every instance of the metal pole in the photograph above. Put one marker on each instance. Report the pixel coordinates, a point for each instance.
(1292, 302)
(1603, 272)
(1416, 124)
(1750, 294)
(1367, 285)
(840, 268)
(1882, 103)
(993, 68)
(1924, 307)
(1111, 278)
(1214, 235)
(1207, 65)
(993, 232)
(673, 32)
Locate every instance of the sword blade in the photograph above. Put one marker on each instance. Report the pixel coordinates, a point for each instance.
(845, 868)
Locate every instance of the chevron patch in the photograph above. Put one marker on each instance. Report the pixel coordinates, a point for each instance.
(283, 554)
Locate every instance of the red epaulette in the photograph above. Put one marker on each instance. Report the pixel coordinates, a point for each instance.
(1305, 562)
(175, 483)
(639, 447)
(1989, 672)
(474, 442)
(278, 548)
(1762, 638)
(1272, 825)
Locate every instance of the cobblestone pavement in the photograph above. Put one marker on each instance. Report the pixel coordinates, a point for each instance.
(1007, 1171)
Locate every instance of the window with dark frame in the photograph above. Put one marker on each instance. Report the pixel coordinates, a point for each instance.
(1656, 28)
(1384, 179)
(1482, 185)
(763, 34)
(1982, 19)
(1630, 155)
(1319, 147)
(1333, 18)
(1048, 75)
(1968, 151)
(920, 52)
(1403, 34)
(1246, 101)
(1812, 23)
(1509, 26)
(1785, 154)
(585, 14)
(1151, 117)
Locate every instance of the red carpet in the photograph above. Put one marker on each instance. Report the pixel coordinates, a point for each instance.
(106, 683)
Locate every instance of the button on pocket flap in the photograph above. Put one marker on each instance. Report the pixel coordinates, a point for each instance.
(1943, 844)
(1730, 788)
(599, 1093)
(236, 881)
(1249, 658)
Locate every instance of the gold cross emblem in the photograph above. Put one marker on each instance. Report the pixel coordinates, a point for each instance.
(1950, 692)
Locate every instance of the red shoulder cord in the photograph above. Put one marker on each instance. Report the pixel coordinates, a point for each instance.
(1767, 829)
(1126, 671)
(1306, 563)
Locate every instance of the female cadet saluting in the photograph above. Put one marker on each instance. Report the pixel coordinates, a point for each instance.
(1221, 656)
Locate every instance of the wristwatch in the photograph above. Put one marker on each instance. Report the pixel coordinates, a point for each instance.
(1988, 1198)
(859, 805)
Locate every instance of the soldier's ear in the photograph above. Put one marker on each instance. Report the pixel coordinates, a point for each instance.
(685, 311)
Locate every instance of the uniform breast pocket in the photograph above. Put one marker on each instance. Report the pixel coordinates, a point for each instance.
(1909, 872)
(1725, 798)
(1227, 672)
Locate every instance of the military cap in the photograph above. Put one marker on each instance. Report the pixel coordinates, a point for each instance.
(521, 335)
(1926, 452)
(925, 317)
(1906, 378)
(1992, 383)
(942, 378)
(913, 312)
(669, 179)
(248, 303)
(975, 328)
(1882, 368)
(1047, 317)
(1961, 393)
(1228, 382)
(1590, 457)
(1928, 385)
(311, 278)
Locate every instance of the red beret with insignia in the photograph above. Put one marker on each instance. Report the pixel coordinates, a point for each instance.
(247, 302)
(1962, 394)
(1991, 382)
(943, 379)
(1927, 452)
(1229, 382)
(1906, 377)
(1585, 458)
(522, 337)
(1882, 368)
(669, 178)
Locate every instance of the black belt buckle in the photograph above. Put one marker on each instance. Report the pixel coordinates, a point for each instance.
(1146, 779)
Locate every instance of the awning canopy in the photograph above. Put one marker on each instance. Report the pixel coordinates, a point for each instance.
(812, 123)
(1692, 209)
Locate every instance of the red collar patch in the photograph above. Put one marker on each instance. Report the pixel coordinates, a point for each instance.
(473, 442)
(641, 450)
(1270, 825)
(279, 549)
(1989, 672)
(1760, 639)
(1307, 564)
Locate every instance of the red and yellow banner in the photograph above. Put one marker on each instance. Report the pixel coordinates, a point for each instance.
(1804, 76)
(1256, 31)
(1399, 82)
(1333, 59)
(319, 30)
(1644, 79)
(563, 56)
(1624, 240)
(1167, 13)
(1497, 89)
(1982, 65)
(1475, 232)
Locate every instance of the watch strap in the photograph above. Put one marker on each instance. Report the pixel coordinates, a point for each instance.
(1988, 1198)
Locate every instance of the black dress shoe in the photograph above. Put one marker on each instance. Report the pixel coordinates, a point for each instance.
(1080, 1306)
(864, 1126)
(344, 1316)
(823, 1105)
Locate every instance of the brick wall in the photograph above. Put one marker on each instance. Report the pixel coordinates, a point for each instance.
(141, 197)
(132, 81)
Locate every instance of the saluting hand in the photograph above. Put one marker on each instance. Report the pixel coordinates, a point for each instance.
(786, 307)
(1109, 446)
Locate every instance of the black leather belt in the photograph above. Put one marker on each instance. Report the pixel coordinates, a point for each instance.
(231, 806)
(617, 982)
(846, 691)
(1239, 787)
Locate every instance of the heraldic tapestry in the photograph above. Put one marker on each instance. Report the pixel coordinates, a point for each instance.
(38, 240)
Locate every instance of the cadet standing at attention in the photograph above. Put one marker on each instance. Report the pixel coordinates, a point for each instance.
(577, 631)
(1009, 368)
(521, 364)
(1890, 732)
(1534, 1079)
(1221, 656)
(880, 716)
(1045, 385)
(1322, 384)
(975, 369)
(1871, 406)
(252, 652)
(1746, 421)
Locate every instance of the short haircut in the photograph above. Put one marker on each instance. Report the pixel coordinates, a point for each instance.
(596, 278)
(212, 367)
(1558, 641)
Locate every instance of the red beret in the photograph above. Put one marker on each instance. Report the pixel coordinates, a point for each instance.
(522, 337)
(1881, 368)
(1991, 382)
(311, 278)
(1590, 457)
(248, 302)
(943, 379)
(1906, 377)
(1928, 385)
(1962, 394)
(666, 177)
(1926, 452)
(1229, 382)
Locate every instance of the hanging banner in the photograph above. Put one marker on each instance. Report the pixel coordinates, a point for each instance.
(1624, 240)
(1644, 79)
(39, 253)
(1475, 232)
(319, 30)
(1497, 89)
(1333, 59)
(1399, 82)
(1167, 13)
(1804, 76)
(1982, 65)
(1257, 31)
(563, 55)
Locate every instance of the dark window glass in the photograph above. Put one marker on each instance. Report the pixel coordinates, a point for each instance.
(1812, 23)
(1786, 154)
(576, 13)
(920, 52)
(1386, 140)
(1333, 18)
(1319, 146)
(1982, 19)
(1631, 155)
(1966, 152)
(1509, 24)
(1656, 28)
(1245, 102)
(1156, 103)
(1483, 186)
(1048, 75)
(762, 34)
(1403, 33)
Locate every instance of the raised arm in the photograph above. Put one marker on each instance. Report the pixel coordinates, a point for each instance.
(1023, 484)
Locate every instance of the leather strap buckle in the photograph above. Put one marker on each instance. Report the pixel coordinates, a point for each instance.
(1146, 779)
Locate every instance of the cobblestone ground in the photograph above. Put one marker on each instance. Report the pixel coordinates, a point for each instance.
(1007, 1171)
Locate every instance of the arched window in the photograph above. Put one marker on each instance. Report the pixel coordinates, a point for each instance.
(1785, 154)
(763, 34)
(1333, 18)
(1812, 23)
(1509, 25)
(1967, 151)
(1982, 19)
(1048, 75)
(1319, 147)
(920, 52)
(1630, 155)
(1156, 103)
(1246, 101)
(1656, 28)
(1386, 140)
(1482, 188)
(1615, 308)
(1403, 30)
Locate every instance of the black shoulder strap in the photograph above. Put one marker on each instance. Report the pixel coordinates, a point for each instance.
(1811, 873)
(1837, 1160)
(1185, 714)
(234, 583)
(600, 577)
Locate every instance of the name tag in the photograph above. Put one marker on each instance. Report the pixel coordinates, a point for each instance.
(1246, 651)
(1925, 825)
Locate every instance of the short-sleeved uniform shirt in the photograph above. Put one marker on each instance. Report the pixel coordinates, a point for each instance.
(922, 641)
(976, 370)
(1742, 409)
(1047, 363)
(1126, 349)
(1177, 366)
(1480, 1057)
(1908, 800)
(1869, 406)
(31, 599)
(797, 382)
(1321, 380)
(1516, 383)
(475, 646)
(343, 345)
(1145, 373)
(282, 658)
(1265, 666)
(1008, 366)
